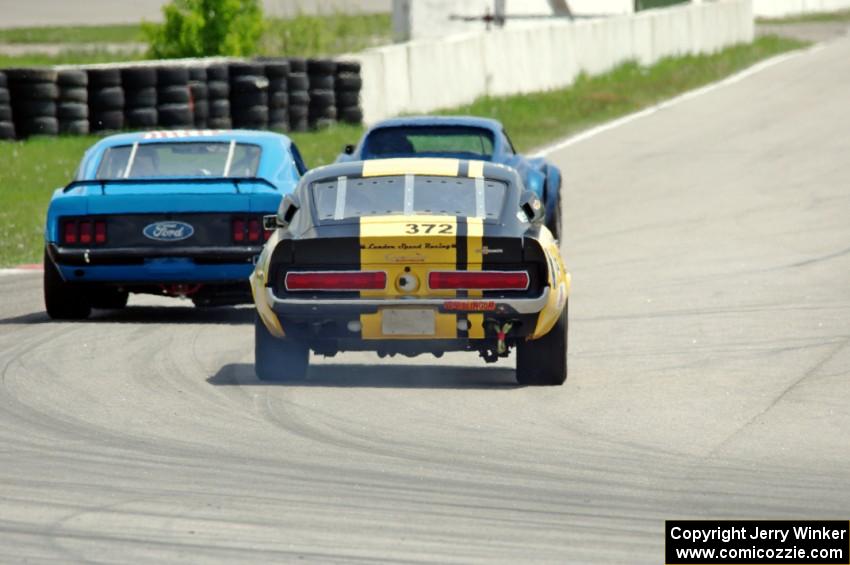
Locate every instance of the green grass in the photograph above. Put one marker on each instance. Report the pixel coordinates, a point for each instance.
(842, 16)
(66, 57)
(650, 4)
(322, 147)
(309, 36)
(30, 172)
(32, 169)
(73, 34)
(302, 36)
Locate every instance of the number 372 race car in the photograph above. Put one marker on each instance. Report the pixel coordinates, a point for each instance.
(411, 256)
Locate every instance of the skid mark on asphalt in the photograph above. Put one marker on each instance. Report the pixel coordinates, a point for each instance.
(148, 549)
(34, 359)
(814, 260)
(781, 396)
(326, 429)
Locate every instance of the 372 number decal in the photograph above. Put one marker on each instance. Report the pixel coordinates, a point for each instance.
(429, 228)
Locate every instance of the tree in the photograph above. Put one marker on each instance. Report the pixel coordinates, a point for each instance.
(199, 28)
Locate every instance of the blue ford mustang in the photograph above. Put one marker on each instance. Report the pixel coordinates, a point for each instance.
(461, 137)
(175, 213)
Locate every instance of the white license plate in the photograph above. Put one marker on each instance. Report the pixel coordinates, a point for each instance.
(408, 322)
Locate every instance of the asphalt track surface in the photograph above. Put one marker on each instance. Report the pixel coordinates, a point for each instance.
(710, 348)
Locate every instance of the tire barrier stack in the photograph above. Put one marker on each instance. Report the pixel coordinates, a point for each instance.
(218, 97)
(291, 94)
(7, 126)
(199, 96)
(106, 100)
(322, 110)
(277, 73)
(249, 96)
(33, 101)
(298, 86)
(140, 97)
(72, 109)
(173, 102)
(347, 86)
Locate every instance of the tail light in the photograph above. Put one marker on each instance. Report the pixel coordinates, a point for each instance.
(69, 234)
(83, 231)
(336, 280)
(238, 230)
(249, 229)
(253, 230)
(100, 232)
(478, 280)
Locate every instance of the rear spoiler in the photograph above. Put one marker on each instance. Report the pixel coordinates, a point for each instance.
(188, 180)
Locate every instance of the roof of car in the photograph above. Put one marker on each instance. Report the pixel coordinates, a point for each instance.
(467, 121)
(190, 135)
(412, 166)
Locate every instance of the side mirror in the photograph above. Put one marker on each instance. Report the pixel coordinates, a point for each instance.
(348, 149)
(288, 208)
(532, 207)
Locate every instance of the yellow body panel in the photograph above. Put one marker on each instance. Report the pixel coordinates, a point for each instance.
(476, 326)
(387, 244)
(559, 281)
(258, 289)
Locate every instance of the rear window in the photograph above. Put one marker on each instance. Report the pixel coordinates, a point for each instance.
(192, 159)
(343, 198)
(430, 141)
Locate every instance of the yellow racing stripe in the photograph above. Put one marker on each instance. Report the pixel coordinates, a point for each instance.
(476, 169)
(476, 326)
(474, 260)
(412, 166)
(408, 245)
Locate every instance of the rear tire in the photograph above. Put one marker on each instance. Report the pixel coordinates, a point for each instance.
(543, 361)
(62, 300)
(278, 359)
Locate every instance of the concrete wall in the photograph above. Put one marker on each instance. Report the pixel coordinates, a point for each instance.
(590, 7)
(427, 74)
(781, 8)
(419, 19)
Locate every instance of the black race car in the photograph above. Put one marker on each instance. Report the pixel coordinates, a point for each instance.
(411, 256)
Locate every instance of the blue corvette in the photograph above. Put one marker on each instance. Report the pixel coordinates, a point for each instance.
(461, 137)
(175, 213)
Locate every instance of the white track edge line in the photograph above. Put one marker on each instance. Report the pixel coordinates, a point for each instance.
(731, 79)
(9, 272)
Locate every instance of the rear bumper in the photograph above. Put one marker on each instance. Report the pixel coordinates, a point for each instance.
(340, 324)
(312, 307)
(154, 265)
(135, 255)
